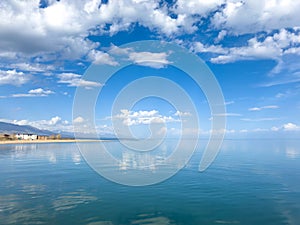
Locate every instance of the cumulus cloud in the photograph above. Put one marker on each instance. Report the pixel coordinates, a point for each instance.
(291, 127)
(255, 49)
(253, 16)
(13, 77)
(221, 35)
(286, 127)
(60, 29)
(99, 57)
(27, 29)
(197, 7)
(54, 120)
(130, 118)
(53, 124)
(78, 120)
(39, 92)
(199, 47)
(75, 80)
(273, 47)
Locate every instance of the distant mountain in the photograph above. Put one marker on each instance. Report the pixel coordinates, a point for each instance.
(9, 128)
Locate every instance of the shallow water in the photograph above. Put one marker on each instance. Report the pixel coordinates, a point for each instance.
(250, 182)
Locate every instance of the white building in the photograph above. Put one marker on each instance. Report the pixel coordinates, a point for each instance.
(26, 136)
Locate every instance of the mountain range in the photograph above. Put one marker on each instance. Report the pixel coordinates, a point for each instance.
(10, 128)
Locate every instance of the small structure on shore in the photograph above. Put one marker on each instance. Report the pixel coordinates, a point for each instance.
(26, 136)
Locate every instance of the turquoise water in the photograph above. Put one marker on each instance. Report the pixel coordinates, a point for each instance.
(250, 182)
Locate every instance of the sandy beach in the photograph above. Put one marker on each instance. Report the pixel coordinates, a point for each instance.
(48, 141)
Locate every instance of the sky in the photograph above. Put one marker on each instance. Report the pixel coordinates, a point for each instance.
(252, 48)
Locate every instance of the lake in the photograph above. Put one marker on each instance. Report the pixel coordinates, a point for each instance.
(250, 182)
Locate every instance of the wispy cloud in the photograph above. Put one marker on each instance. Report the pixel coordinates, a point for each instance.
(32, 67)
(288, 80)
(227, 114)
(39, 92)
(260, 119)
(75, 80)
(263, 107)
(229, 103)
(151, 59)
(182, 114)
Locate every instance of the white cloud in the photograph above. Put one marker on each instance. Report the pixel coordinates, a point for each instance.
(285, 94)
(99, 57)
(284, 79)
(291, 127)
(130, 118)
(13, 77)
(31, 67)
(275, 128)
(30, 35)
(152, 59)
(115, 50)
(199, 47)
(28, 30)
(60, 30)
(260, 130)
(286, 127)
(229, 103)
(121, 14)
(227, 114)
(78, 119)
(21, 122)
(200, 7)
(274, 47)
(39, 92)
(63, 26)
(253, 16)
(260, 119)
(263, 107)
(221, 36)
(244, 131)
(54, 120)
(182, 114)
(74, 80)
(53, 124)
(255, 49)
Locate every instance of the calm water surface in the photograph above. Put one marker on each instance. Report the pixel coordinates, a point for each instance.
(250, 182)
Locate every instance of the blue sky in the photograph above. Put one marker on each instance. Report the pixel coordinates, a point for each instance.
(252, 48)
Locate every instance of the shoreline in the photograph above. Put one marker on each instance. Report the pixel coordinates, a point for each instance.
(48, 141)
